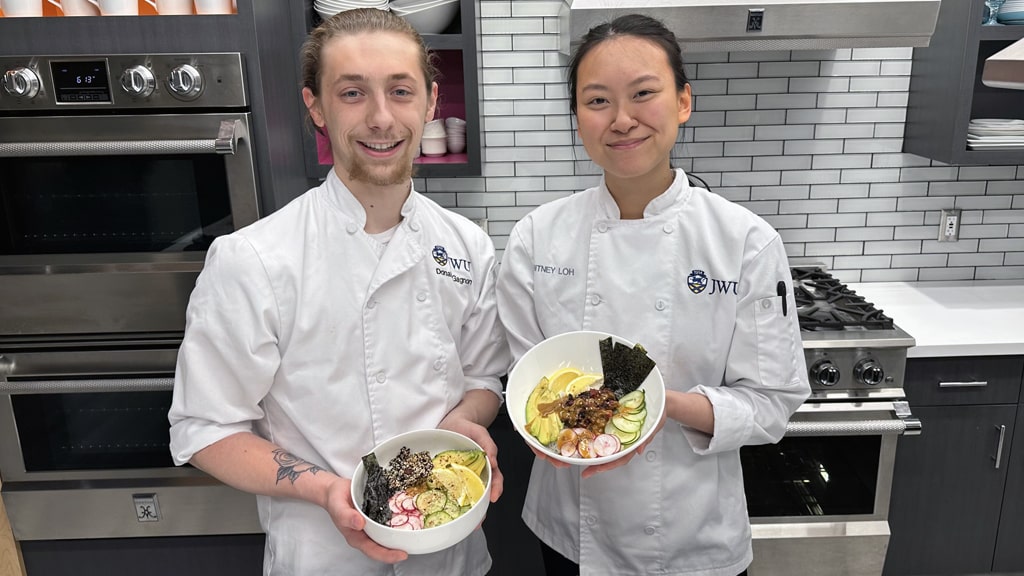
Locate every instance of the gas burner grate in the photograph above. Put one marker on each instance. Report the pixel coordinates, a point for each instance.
(825, 303)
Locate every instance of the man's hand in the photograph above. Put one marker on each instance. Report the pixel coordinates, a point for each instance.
(350, 523)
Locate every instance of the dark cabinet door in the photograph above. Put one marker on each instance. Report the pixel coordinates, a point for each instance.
(947, 492)
(1010, 544)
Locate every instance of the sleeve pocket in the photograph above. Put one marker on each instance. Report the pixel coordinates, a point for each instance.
(775, 346)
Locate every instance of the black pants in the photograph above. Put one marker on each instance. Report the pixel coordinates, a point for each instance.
(557, 565)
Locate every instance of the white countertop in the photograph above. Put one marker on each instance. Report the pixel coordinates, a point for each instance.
(967, 318)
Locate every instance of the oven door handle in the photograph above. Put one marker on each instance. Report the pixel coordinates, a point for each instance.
(909, 426)
(226, 143)
(86, 386)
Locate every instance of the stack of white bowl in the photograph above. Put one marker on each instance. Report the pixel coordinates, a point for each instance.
(426, 16)
(1012, 12)
(434, 142)
(456, 129)
(328, 8)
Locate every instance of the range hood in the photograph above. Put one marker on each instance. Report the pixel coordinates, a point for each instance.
(1005, 69)
(729, 25)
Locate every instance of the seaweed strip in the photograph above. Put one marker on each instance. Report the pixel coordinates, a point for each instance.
(625, 368)
(377, 491)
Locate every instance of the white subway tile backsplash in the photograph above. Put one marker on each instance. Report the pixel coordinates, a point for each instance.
(758, 86)
(755, 117)
(839, 191)
(724, 102)
(810, 140)
(864, 234)
(784, 132)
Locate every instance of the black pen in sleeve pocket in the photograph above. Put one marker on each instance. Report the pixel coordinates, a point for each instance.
(780, 289)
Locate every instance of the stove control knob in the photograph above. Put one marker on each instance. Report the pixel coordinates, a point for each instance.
(21, 82)
(869, 372)
(138, 81)
(825, 373)
(185, 82)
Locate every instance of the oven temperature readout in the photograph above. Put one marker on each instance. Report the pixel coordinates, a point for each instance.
(80, 82)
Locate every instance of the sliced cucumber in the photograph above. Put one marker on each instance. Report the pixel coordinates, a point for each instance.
(626, 438)
(632, 400)
(626, 425)
(452, 508)
(436, 519)
(635, 416)
(431, 501)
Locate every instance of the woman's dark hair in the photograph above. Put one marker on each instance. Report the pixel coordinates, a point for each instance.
(636, 25)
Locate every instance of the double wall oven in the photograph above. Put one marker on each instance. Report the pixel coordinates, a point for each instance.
(116, 174)
(819, 499)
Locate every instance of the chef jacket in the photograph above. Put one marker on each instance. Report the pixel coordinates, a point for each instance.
(695, 282)
(298, 331)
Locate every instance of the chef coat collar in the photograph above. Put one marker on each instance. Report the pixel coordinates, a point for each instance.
(607, 208)
(339, 196)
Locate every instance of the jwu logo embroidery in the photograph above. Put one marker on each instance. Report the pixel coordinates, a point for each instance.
(698, 281)
(443, 259)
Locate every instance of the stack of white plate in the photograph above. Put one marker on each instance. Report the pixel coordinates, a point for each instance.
(328, 8)
(1012, 12)
(427, 16)
(456, 130)
(995, 133)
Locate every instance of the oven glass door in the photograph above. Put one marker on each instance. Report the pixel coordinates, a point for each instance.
(103, 204)
(812, 476)
(93, 430)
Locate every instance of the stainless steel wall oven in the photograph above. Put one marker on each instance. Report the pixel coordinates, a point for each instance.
(118, 173)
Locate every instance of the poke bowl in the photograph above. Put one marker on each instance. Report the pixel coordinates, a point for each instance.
(417, 493)
(585, 397)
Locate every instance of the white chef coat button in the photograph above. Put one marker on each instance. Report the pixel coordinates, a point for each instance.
(371, 304)
(667, 228)
(766, 303)
(659, 305)
(651, 456)
(438, 364)
(414, 226)
(602, 227)
(595, 299)
(351, 228)
(591, 520)
(381, 377)
(650, 530)
(421, 296)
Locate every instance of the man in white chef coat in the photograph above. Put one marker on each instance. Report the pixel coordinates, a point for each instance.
(358, 311)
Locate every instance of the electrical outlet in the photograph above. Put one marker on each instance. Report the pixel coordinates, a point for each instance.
(755, 20)
(949, 225)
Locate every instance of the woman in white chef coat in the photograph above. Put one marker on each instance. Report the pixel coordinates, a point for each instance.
(702, 283)
(358, 311)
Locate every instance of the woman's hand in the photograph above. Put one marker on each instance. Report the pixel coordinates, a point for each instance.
(350, 523)
(597, 469)
(481, 436)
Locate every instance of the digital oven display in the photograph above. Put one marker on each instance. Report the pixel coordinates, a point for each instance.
(81, 82)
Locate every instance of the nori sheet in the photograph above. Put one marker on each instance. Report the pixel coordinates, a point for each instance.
(376, 492)
(625, 368)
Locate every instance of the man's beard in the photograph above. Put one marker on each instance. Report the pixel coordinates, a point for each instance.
(398, 172)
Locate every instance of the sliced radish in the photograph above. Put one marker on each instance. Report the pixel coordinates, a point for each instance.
(406, 526)
(397, 520)
(606, 444)
(394, 503)
(409, 505)
(416, 522)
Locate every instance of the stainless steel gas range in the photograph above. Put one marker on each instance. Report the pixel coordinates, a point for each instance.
(819, 499)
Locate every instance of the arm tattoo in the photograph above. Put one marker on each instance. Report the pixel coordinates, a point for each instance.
(291, 466)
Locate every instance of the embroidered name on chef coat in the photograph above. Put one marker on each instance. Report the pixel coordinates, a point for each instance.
(459, 266)
(554, 270)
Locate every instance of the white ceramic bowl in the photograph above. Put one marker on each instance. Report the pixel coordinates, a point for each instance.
(578, 350)
(425, 540)
(434, 146)
(432, 19)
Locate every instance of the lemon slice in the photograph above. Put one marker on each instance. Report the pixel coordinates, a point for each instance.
(474, 486)
(449, 481)
(561, 378)
(581, 383)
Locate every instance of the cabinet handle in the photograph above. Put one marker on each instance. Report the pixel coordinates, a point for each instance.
(974, 384)
(999, 447)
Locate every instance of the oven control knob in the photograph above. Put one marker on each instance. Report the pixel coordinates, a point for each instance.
(21, 83)
(869, 372)
(825, 373)
(138, 81)
(185, 82)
